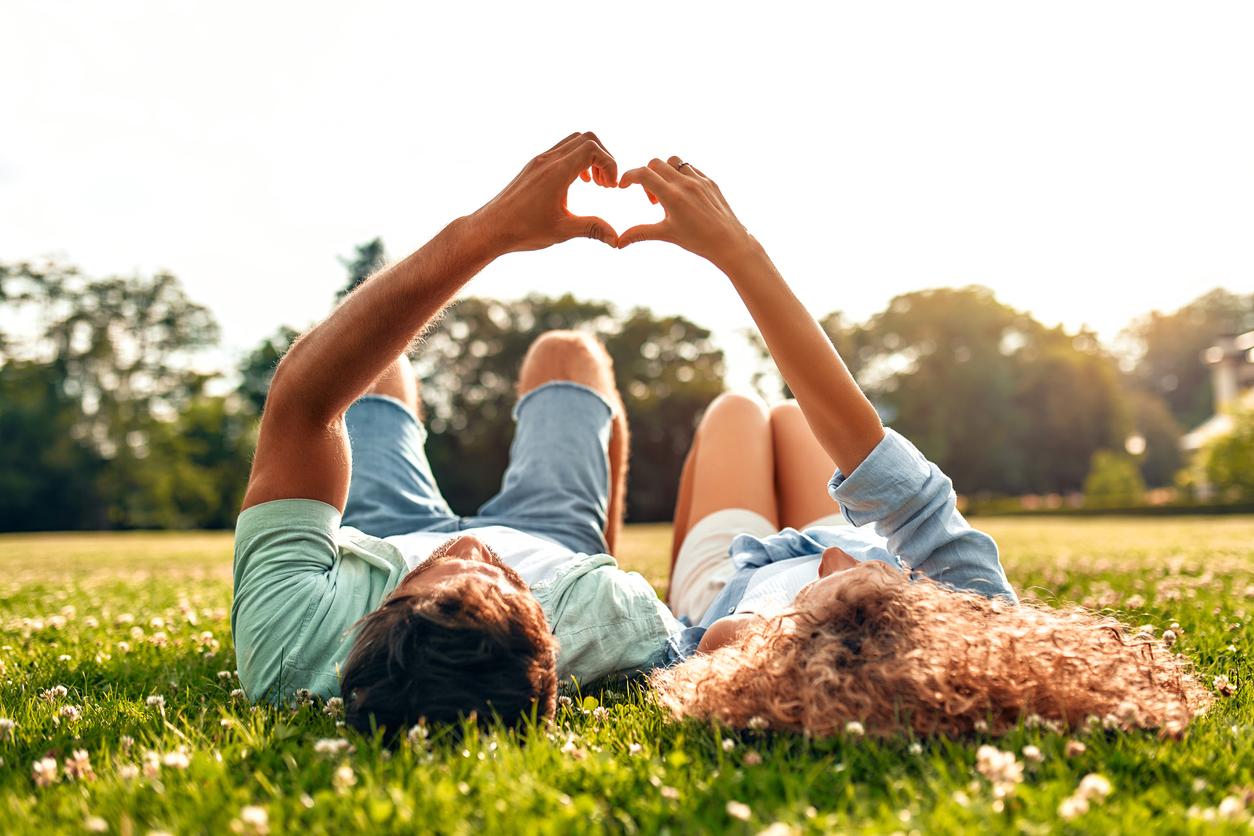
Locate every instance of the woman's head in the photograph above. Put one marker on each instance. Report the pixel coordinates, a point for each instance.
(873, 646)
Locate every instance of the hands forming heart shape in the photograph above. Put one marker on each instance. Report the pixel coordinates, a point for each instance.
(531, 214)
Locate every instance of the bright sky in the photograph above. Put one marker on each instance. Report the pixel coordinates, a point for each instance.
(1087, 160)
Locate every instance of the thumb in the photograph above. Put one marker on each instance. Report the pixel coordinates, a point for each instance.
(645, 232)
(589, 226)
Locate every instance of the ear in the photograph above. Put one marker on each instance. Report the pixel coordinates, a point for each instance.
(835, 560)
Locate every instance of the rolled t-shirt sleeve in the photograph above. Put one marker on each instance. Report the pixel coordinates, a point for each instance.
(912, 504)
(284, 551)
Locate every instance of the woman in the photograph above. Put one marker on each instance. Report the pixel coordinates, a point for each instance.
(913, 624)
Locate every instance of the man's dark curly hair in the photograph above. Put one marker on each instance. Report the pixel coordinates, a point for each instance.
(441, 654)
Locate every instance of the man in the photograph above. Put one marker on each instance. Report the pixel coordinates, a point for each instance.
(351, 573)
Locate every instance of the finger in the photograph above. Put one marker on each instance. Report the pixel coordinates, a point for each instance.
(659, 231)
(679, 165)
(563, 142)
(589, 226)
(584, 176)
(666, 171)
(654, 184)
(589, 154)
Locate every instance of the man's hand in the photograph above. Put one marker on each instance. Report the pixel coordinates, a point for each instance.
(531, 214)
(698, 217)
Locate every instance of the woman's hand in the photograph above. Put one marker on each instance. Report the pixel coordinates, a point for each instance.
(698, 217)
(531, 214)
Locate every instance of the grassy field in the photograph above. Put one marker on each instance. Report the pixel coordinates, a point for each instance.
(146, 735)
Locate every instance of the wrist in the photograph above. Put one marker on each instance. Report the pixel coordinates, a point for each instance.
(483, 235)
(740, 253)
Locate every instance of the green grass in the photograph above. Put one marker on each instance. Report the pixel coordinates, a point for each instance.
(614, 762)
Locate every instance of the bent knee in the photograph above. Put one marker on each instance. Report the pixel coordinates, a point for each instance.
(567, 355)
(738, 408)
(787, 415)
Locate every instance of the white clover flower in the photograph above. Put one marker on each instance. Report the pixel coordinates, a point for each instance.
(95, 824)
(752, 758)
(178, 759)
(65, 657)
(331, 746)
(1072, 807)
(634, 748)
(564, 701)
(78, 766)
(123, 647)
(1001, 769)
(739, 810)
(56, 692)
(1093, 786)
(159, 639)
(137, 632)
(1232, 807)
(128, 772)
(124, 619)
(344, 778)
(224, 675)
(70, 712)
(1169, 637)
(854, 729)
(255, 819)
(915, 748)
(44, 771)
(91, 621)
(1224, 685)
(156, 622)
(304, 696)
(126, 742)
(961, 798)
(418, 735)
(757, 723)
(152, 764)
(334, 707)
(1032, 753)
(728, 744)
(669, 793)
(778, 828)
(6, 728)
(980, 726)
(238, 694)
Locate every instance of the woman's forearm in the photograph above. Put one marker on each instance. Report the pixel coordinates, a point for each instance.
(839, 414)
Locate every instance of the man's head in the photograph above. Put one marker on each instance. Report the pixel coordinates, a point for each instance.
(461, 633)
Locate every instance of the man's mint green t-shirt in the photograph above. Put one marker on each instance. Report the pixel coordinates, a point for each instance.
(302, 581)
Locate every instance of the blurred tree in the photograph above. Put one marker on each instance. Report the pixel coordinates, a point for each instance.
(1114, 481)
(257, 369)
(48, 475)
(367, 261)
(666, 367)
(1002, 403)
(1167, 350)
(1162, 459)
(123, 350)
(941, 367)
(1228, 461)
(192, 471)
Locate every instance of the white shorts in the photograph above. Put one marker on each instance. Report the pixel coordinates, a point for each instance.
(704, 565)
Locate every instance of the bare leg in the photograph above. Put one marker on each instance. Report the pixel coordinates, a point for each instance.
(731, 465)
(578, 357)
(802, 469)
(398, 381)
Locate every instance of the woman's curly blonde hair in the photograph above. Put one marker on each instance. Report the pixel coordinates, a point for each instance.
(895, 654)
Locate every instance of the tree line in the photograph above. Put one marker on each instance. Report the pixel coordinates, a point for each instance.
(110, 416)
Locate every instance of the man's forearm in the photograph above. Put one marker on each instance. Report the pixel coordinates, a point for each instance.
(839, 414)
(330, 366)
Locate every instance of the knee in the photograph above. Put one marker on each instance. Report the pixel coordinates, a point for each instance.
(741, 408)
(787, 416)
(567, 355)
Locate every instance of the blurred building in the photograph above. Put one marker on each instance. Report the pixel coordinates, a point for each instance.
(1231, 361)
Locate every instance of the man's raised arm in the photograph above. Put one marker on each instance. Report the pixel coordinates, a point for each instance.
(303, 451)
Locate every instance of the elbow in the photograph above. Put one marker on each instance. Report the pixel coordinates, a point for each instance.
(290, 399)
